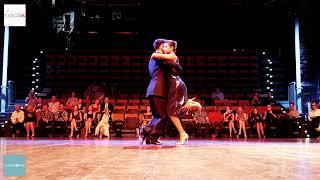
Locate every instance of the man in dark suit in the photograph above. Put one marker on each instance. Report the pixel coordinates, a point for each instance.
(157, 94)
(107, 104)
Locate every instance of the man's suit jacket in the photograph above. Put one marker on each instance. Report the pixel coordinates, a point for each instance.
(159, 71)
(158, 84)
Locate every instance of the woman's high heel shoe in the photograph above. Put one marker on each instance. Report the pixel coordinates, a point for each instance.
(183, 138)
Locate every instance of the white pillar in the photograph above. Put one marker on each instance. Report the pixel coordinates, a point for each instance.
(298, 69)
(4, 97)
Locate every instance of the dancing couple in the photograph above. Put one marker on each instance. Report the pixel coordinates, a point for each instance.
(167, 93)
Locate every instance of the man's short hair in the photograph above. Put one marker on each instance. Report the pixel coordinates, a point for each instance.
(291, 102)
(157, 43)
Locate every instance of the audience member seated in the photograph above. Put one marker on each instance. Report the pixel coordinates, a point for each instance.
(202, 122)
(81, 105)
(89, 117)
(30, 119)
(31, 99)
(269, 99)
(76, 122)
(289, 121)
(46, 121)
(102, 128)
(61, 118)
(17, 119)
(144, 120)
(255, 100)
(228, 117)
(108, 105)
(73, 100)
(53, 105)
(256, 119)
(314, 119)
(96, 108)
(39, 107)
(242, 118)
(217, 95)
(270, 120)
(216, 120)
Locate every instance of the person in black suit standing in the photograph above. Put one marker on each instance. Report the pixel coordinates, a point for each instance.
(157, 94)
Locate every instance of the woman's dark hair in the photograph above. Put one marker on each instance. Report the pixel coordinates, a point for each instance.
(157, 43)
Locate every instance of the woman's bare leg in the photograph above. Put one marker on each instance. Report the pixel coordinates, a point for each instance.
(234, 129)
(261, 129)
(258, 130)
(230, 128)
(244, 129)
(71, 127)
(89, 126)
(32, 129)
(86, 127)
(28, 128)
(177, 124)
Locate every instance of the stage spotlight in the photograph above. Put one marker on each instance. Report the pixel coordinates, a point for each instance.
(305, 131)
(263, 53)
(33, 75)
(33, 68)
(271, 76)
(270, 62)
(33, 82)
(6, 122)
(271, 90)
(37, 73)
(267, 80)
(271, 82)
(270, 69)
(41, 52)
(267, 67)
(35, 59)
(37, 86)
(299, 127)
(37, 66)
(37, 79)
(33, 89)
(234, 50)
(308, 135)
(267, 74)
(2, 125)
(268, 87)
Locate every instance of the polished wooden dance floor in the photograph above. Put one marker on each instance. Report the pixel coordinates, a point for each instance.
(200, 159)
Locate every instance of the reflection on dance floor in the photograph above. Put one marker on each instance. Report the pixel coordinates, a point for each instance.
(123, 158)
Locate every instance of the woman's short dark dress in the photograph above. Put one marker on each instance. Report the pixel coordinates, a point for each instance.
(30, 116)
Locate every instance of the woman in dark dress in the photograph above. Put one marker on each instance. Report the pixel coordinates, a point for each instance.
(30, 119)
(256, 118)
(177, 102)
(76, 121)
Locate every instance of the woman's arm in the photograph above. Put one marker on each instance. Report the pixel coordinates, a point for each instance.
(232, 117)
(159, 56)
